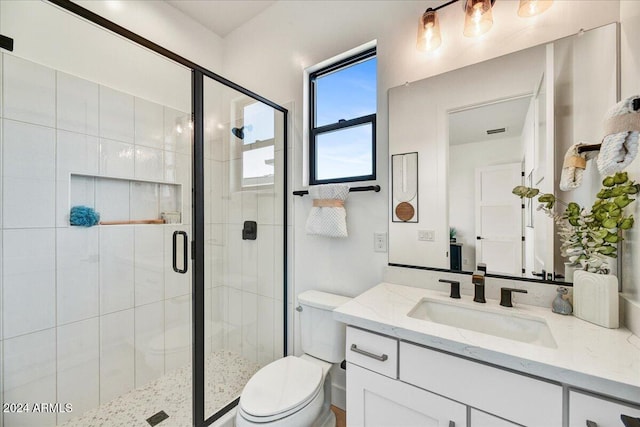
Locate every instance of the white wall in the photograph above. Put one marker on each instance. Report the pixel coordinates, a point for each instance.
(630, 61)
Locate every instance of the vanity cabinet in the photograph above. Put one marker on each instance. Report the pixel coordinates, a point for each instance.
(392, 383)
(482, 419)
(592, 411)
(514, 397)
(377, 400)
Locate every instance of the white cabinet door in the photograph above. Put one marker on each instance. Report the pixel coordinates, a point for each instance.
(374, 400)
(590, 411)
(482, 419)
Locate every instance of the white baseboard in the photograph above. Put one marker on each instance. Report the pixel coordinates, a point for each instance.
(339, 397)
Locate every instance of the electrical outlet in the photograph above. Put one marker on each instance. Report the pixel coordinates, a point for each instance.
(465, 261)
(380, 242)
(426, 235)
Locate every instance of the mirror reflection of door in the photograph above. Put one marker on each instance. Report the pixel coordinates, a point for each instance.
(499, 218)
(486, 154)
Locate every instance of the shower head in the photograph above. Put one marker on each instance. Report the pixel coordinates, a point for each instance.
(238, 132)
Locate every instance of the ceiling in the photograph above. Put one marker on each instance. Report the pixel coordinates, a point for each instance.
(221, 16)
(471, 125)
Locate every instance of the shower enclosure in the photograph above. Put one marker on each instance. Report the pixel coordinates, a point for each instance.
(132, 322)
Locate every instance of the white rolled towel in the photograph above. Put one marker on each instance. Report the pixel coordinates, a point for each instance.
(574, 165)
(328, 216)
(620, 145)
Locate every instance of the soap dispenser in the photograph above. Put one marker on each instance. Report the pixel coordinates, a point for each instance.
(561, 305)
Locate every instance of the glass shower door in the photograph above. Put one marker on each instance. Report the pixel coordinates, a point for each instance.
(244, 234)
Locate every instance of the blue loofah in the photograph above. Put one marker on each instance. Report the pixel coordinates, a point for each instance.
(84, 216)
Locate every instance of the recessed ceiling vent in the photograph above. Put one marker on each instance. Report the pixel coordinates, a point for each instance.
(498, 130)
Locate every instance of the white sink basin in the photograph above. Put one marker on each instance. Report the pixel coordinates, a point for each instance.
(513, 326)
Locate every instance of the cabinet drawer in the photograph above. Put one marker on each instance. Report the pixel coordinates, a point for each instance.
(600, 412)
(482, 419)
(372, 351)
(518, 398)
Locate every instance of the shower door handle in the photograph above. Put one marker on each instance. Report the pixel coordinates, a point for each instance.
(185, 245)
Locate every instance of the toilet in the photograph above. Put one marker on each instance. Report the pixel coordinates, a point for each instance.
(296, 391)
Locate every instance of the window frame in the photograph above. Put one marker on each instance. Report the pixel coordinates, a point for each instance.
(314, 131)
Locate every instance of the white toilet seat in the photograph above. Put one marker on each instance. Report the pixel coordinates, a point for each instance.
(280, 389)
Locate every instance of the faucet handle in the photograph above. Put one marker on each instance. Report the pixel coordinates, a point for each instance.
(455, 288)
(505, 296)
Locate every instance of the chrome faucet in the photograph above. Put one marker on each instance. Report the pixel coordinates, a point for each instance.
(478, 281)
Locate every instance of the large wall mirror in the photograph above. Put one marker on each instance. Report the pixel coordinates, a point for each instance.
(483, 129)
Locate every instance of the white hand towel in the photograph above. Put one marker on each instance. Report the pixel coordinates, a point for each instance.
(620, 145)
(328, 216)
(574, 165)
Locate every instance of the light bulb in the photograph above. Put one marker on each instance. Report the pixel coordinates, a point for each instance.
(530, 8)
(478, 17)
(429, 38)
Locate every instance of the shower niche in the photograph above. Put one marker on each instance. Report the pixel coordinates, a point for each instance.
(123, 200)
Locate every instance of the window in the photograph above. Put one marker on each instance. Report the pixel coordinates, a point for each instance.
(258, 139)
(342, 142)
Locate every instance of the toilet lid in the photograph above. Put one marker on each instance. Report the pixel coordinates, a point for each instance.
(281, 386)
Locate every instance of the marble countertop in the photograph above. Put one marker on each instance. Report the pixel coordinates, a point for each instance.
(587, 356)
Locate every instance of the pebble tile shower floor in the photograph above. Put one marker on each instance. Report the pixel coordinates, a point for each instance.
(226, 375)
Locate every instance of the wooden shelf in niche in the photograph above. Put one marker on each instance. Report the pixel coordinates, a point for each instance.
(121, 199)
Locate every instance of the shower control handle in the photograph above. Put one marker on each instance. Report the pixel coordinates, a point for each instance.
(381, 358)
(185, 245)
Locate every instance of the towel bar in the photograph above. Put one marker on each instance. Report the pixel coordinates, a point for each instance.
(375, 188)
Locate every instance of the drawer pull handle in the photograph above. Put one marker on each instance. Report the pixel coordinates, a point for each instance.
(381, 358)
(591, 424)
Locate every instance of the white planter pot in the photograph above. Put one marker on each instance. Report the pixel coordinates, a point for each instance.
(595, 298)
(569, 269)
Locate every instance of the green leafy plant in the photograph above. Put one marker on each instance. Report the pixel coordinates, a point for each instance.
(590, 237)
(452, 233)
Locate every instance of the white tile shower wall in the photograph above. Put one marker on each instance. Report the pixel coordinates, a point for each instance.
(30, 375)
(78, 366)
(117, 354)
(149, 264)
(29, 276)
(77, 269)
(77, 105)
(30, 96)
(116, 115)
(75, 301)
(149, 342)
(29, 192)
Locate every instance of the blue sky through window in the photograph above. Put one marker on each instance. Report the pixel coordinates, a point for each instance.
(346, 94)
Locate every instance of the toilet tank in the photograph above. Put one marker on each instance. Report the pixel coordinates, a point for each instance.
(322, 336)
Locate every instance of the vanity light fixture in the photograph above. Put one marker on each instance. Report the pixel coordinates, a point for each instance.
(530, 8)
(478, 18)
(429, 38)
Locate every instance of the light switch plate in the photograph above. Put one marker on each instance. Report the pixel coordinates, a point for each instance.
(426, 235)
